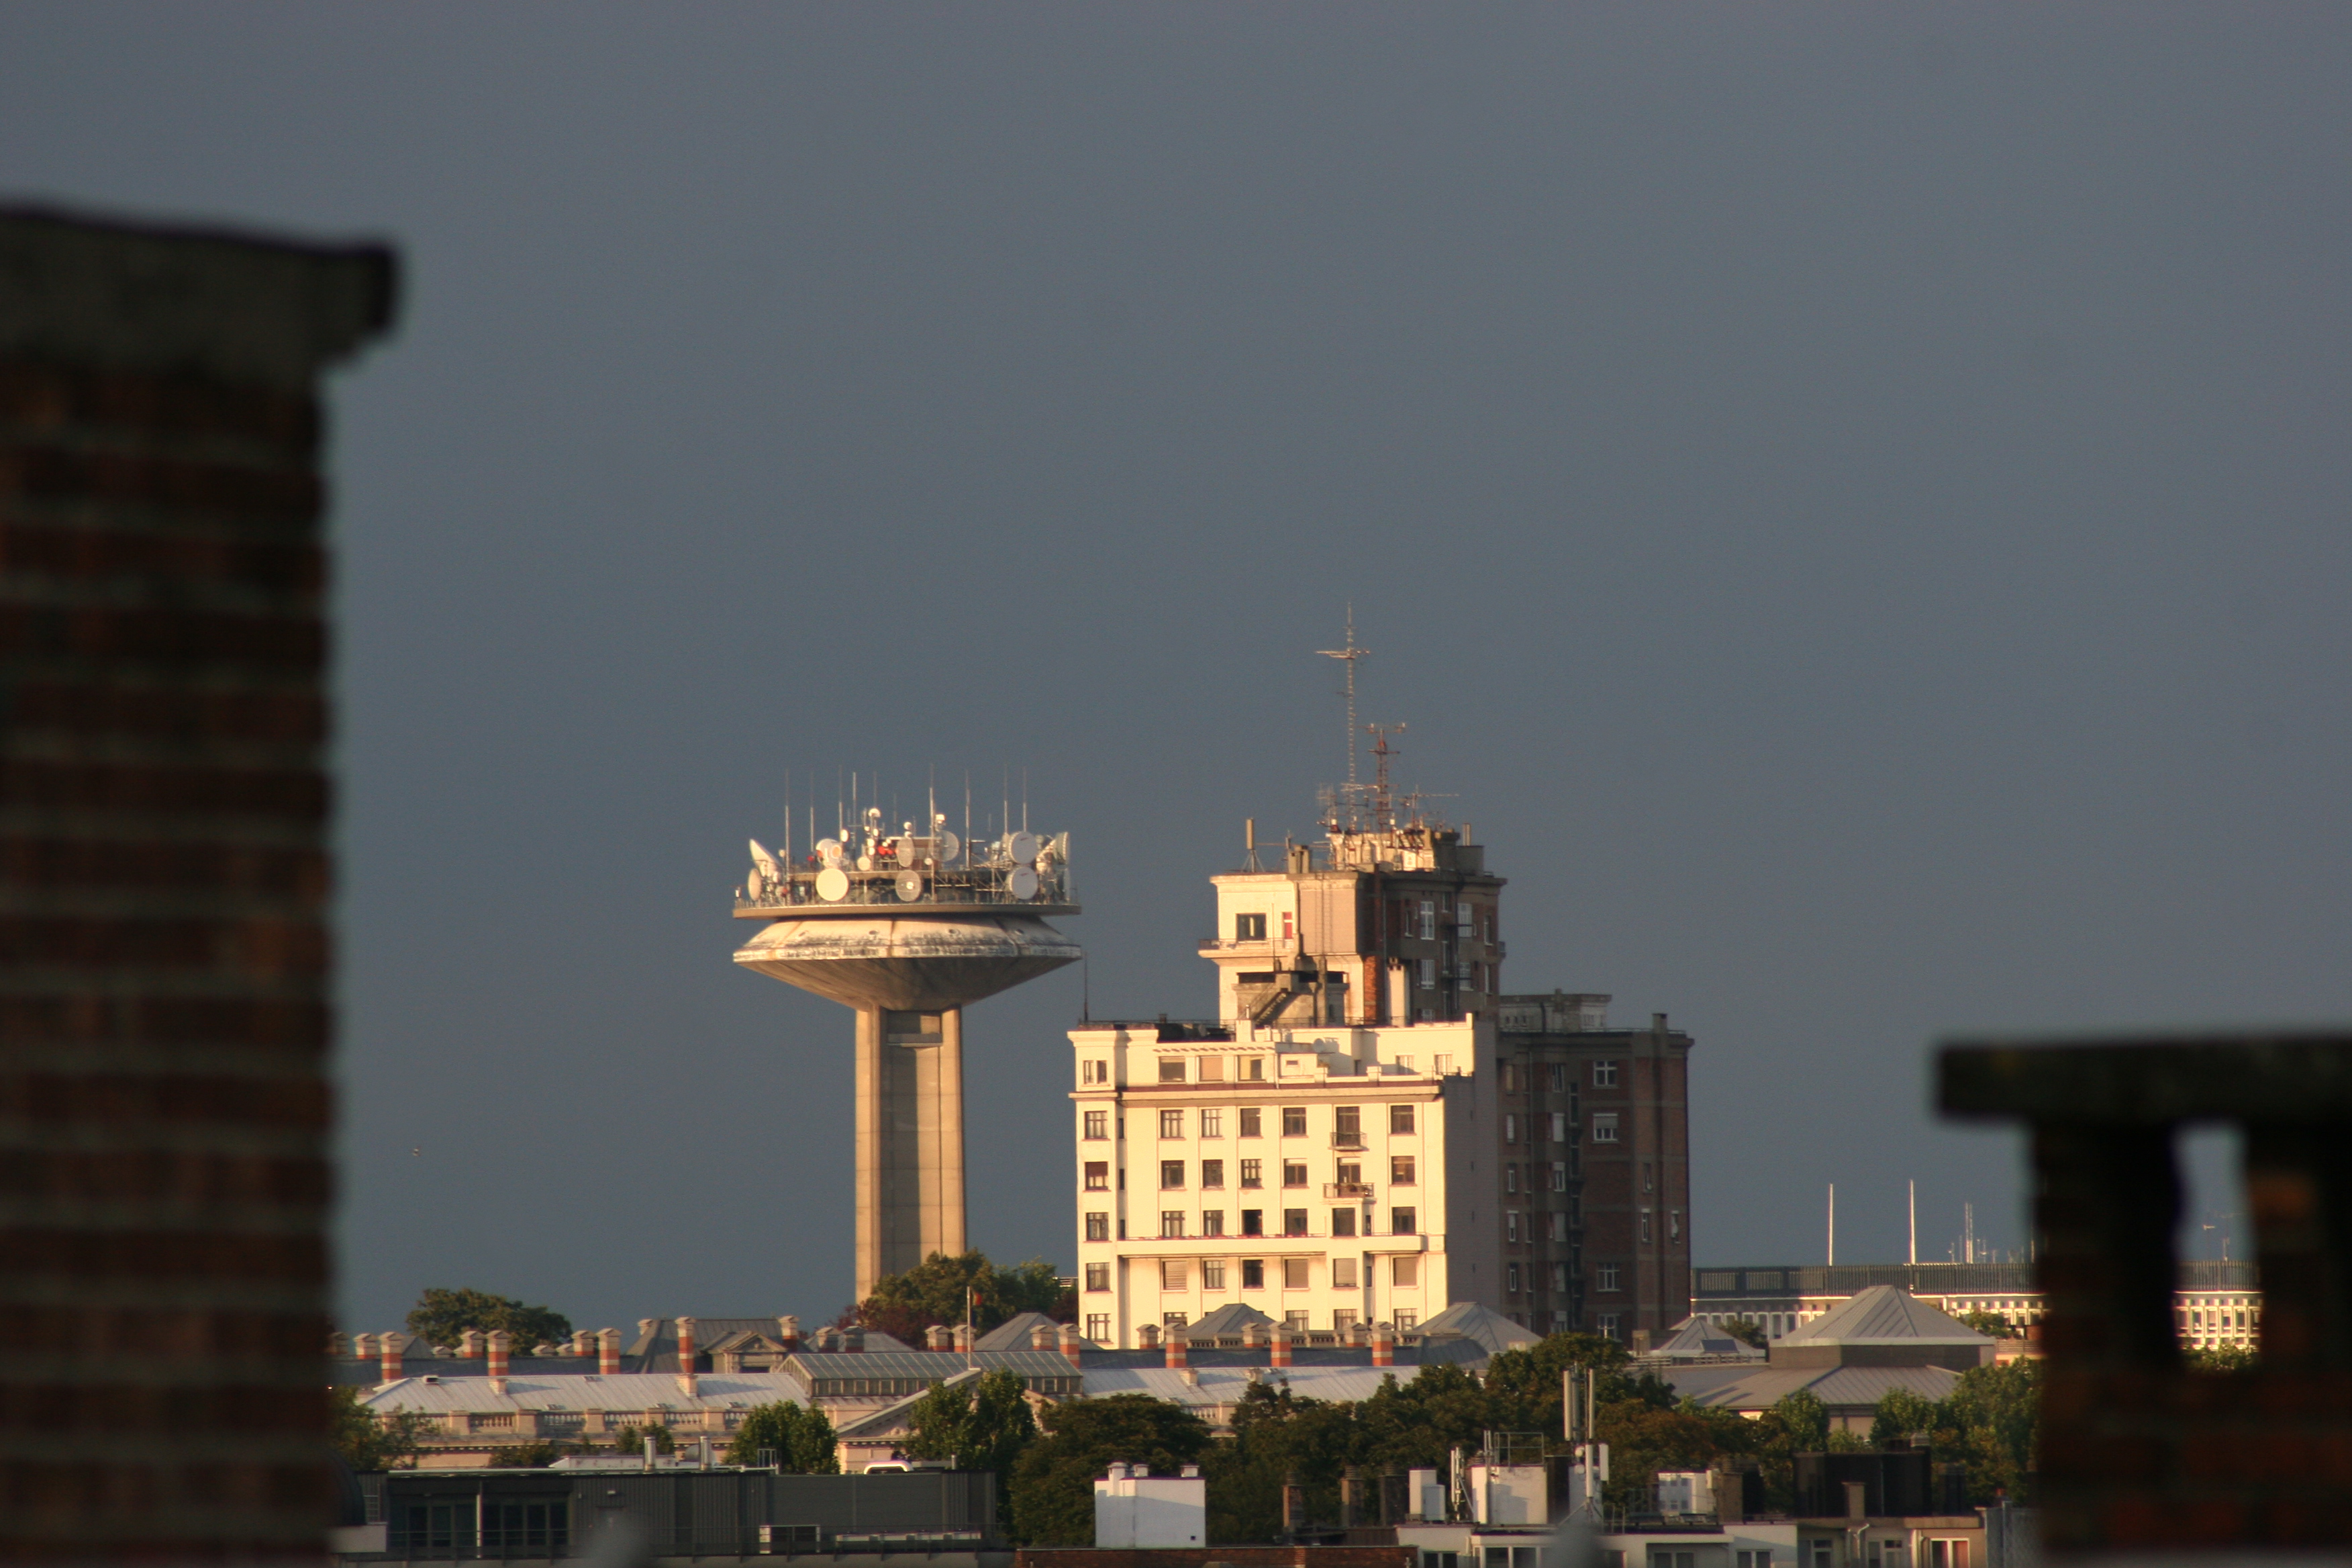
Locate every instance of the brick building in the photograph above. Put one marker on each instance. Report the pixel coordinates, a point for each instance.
(163, 812)
(1595, 1167)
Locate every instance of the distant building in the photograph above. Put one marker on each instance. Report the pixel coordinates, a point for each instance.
(1849, 1358)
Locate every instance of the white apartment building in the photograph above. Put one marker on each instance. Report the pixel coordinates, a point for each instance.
(1325, 1176)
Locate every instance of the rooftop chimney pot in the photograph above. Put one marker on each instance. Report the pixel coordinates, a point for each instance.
(1072, 1346)
(608, 1351)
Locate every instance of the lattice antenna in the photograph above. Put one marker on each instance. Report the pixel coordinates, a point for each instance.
(1348, 654)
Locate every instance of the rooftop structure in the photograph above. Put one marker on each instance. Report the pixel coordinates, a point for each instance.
(909, 928)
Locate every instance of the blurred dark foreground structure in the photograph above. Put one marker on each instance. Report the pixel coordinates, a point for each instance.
(2141, 1455)
(163, 816)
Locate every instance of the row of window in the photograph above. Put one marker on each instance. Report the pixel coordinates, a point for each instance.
(1294, 1273)
(1558, 1177)
(1604, 1076)
(1249, 1121)
(1557, 1124)
(1173, 1224)
(1099, 1323)
(1402, 1173)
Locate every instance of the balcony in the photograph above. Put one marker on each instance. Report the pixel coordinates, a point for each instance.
(1348, 1190)
(1348, 1141)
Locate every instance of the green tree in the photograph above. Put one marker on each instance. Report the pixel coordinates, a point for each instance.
(984, 1425)
(441, 1316)
(1992, 1422)
(2222, 1358)
(370, 1442)
(1748, 1332)
(1992, 1325)
(800, 1436)
(1054, 1481)
(526, 1456)
(632, 1439)
(904, 1305)
(1277, 1434)
(1903, 1416)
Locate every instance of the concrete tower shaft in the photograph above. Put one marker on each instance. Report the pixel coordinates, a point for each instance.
(909, 931)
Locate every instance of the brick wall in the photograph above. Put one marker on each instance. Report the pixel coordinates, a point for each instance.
(163, 884)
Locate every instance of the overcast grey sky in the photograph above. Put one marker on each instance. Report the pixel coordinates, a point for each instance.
(1851, 502)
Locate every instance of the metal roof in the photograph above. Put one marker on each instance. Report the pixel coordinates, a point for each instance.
(621, 1391)
(1844, 1386)
(1012, 1334)
(1489, 1329)
(1696, 1336)
(1228, 1385)
(931, 1366)
(1883, 1315)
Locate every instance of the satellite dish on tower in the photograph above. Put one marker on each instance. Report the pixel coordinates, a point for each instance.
(910, 886)
(833, 884)
(828, 851)
(1022, 848)
(763, 859)
(1023, 883)
(949, 847)
(752, 885)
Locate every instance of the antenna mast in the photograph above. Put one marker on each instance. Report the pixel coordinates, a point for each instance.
(1348, 654)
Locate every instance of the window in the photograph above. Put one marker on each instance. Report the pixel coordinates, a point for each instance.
(1428, 920)
(1173, 1273)
(1940, 1554)
(1758, 1559)
(1294, 1221)
(1172, 1173)
(1294, 1173)
(1343, 1222)
(1171, 1069)
(1171, 1321)
(1099, 1327)
(1252, 1221)
(1171, 1123)
(1294, 1122)
(1249, 1121)
(1559, 1175)
(1211, 1069)
(1406, 1321)
(1213, 1269)
(1401, 1222)
(1286, 932)
(1099, 1175)
(1404, 1273)
(1212, 1125)
(1212, 1222)
(1098, 1226)
(1511, 1278)
(1648, 1184)
(1293, 1273)
(1401, 1118)
(1171, 1225)
(1604, 1075)
(1343, 1319)
(1253, 1070)
(1253, 1273)
(1350, 1172)
(1603, 1277)
(1296, 1321)
(1213, 1172)
(1559, 1126)
(1247, 928)
(1559, 1227)
(1348, 1124)
(1558, 1078)
(1463, 921)
(1097, 1276)
(1092, 1071)
(1097, 1125)
(1608, 1325)
(1511, 1227)
(1559, 1275)
(1253, 1172)
(1674, 1225)
(1442, 1063)
(1604, 1127)
(1645, 1225)
(1343, 1278)
(1429, 975)
(1400, 1170)
(1510, 1128)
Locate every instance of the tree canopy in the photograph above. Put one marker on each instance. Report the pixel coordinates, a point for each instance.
(904, 1305)
(369, 1442)
(442, 1316)
(800, 1437)
(1053, 1489)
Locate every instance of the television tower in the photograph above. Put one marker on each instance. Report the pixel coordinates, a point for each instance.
(909, 929)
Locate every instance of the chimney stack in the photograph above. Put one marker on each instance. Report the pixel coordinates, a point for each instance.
(1071, 1346)
(364, 1347)
(608, 1351)
(1041, 1338)
(1283, 1338)
(583, 1343)
(1383, 1344)
(469, 1345)
(338, 1346)
(646, 1327)
(960, 1335)
(1359, 1336)
(935, 1338)
(389, 1348)
(1253, 1336)
(502, 1343)
(1148, 1336)
(686, 1357)
(853, 1339)
(788, 1330)
(1179, 1343)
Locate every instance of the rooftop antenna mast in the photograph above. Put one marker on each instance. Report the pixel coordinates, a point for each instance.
(1348, 654)
(1383, 807)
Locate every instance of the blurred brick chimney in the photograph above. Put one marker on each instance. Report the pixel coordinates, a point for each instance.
(935, 1338)
(788, 1332)
(961, 1336)
(501, 1344)
(1359, 1336)
(1073, 1346)
(469, 1345)
(608, 1351)
(1283, 1336)
(364, 1347)
(1148, 1336)
(686, 1383)
(1255, 1337)
(1180, 1343)
(583, 1343)
(1041, 1338)
(1383, 1344)
(391, 1347)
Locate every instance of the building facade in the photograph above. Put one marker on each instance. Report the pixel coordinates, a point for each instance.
(1594, 1161)
(1326, 1177)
